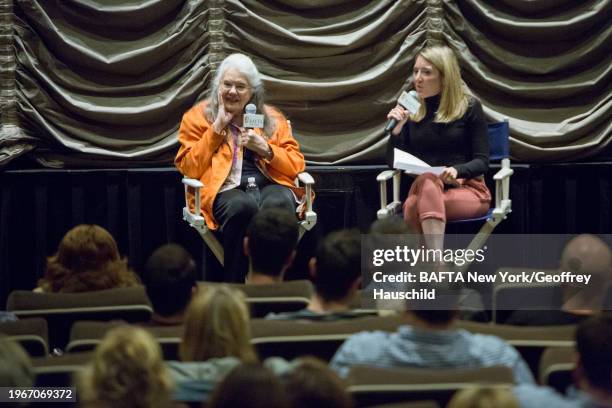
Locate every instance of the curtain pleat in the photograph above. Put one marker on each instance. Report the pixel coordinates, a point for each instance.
(97, 84)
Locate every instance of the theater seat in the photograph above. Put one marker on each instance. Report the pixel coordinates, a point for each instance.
(62, 309)
(529, 341)
(59, 371)
(374, 385)
(31, 333)
(557, 366)
(275, 297)
(293, 338)
(86, 335)
(528, 296)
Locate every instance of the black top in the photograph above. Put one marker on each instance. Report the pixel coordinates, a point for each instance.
(462, 144)
(250, 169)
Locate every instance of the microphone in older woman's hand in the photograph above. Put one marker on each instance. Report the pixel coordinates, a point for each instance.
(409, 101)
(251, 119)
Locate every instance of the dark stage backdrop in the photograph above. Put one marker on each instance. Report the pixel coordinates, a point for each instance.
(142, 209)
(89, 83)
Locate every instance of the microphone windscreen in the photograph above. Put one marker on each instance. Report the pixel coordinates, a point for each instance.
(250, 108)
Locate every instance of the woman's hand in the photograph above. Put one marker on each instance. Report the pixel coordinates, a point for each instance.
(449, 176)
(223, 117)
(401, 115)
(252, 141)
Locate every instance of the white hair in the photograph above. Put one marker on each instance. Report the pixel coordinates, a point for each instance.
(246, 67)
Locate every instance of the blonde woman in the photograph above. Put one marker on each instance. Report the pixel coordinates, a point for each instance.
(216, 339)
(449, 130)
(127, 371)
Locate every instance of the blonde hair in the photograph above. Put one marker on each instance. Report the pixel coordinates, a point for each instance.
(484, 397)
(127, 371)
(217, 325)
(453, 95)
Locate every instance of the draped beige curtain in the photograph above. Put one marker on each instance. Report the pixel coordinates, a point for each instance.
(104, 83)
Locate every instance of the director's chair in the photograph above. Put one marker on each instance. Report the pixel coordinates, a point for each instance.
(196, 220)
(499, 150)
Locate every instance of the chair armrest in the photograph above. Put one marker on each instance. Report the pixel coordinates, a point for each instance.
(308, 182)
(386, 175)
(310, 217)
(503, 174)
(192, 182)
(193, 218)
(305, 178)
(387, 209)
(503, 203)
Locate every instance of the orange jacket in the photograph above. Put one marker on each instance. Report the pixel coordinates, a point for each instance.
(207, 156)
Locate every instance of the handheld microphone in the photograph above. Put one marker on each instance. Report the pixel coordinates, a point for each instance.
(409, 101)
(251, 119)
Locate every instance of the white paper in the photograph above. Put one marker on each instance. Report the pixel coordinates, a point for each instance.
(412, 164)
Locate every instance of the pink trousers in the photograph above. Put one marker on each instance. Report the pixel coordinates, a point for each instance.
(430, 198)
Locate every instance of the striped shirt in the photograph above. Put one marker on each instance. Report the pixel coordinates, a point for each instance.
(414, 347)
(531, 396)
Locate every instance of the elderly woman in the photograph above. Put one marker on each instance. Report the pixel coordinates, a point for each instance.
(449, 130)
(218, 151)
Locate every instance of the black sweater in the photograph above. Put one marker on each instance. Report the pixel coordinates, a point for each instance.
(462, 144)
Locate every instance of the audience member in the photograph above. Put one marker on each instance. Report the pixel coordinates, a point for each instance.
(87, 259)
(270, 242)
(584, 254)
(15, 366)
(592, 375)
(336, 275)
(484, 397)
(249, 385)
(216, 339)
(429, 340)
(312, 384)
(170, 281)
(127, 371)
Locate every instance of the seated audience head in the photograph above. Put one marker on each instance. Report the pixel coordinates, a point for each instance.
(594, 368)
(15, 365)
(484, 397)
(270, 242)
(392, 225)
(170, 281)
(249, 385)
(437, 313)
(311, 383)
(587, 254)
(217, 325)
(336, 269)
(87, 259)
(127, 370)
